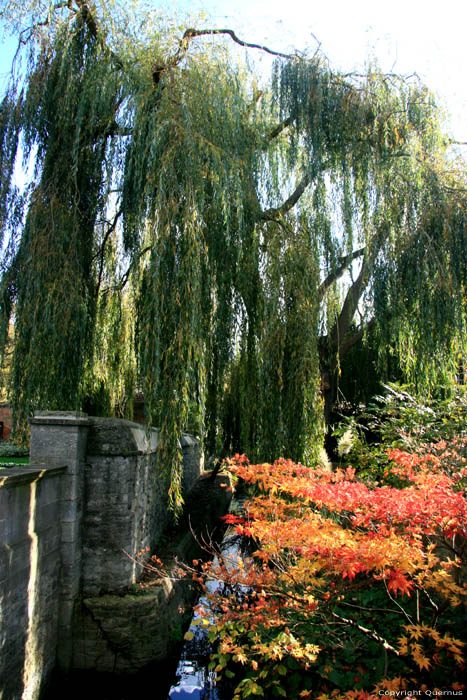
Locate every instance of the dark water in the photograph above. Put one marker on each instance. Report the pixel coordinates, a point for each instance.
(183, 677)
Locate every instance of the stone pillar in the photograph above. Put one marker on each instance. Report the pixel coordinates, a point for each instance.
(60, 438)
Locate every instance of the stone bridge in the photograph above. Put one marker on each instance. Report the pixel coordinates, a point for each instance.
(71, 525)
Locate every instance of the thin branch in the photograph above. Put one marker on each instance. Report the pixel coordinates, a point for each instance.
(124, 278)
(192, 33)
(274, 212)
(256, 98)
(338, 272)
(88, 18)
(370, 633)
(361, 607)
(95, 30)
(126, 275)
(409, 619)
(278, 129)
(111, 228)
(101, 252)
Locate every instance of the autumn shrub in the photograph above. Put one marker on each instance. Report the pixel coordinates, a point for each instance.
(351, 589)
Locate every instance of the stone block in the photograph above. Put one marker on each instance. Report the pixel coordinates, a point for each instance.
(46, 515)
(57, 437)
(72, 486)
(50, 540)
(71, 509)
(70, 531)
(64, 651)
(15, 528)
(111, 436)
(49, 565)
(48, 487)
(66, 609)
(69, 585)
(71, 555)
(19, 557)
(5, 553)
(3, 531)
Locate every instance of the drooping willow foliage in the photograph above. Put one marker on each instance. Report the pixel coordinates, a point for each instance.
(217, 245)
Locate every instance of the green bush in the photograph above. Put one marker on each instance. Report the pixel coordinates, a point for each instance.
(11, 449)
(404, 420)
(399, 419)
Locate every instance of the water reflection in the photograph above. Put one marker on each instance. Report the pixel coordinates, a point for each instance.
(194, 680)
(193, 685)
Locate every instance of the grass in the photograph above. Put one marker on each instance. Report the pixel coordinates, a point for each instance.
(9, 461)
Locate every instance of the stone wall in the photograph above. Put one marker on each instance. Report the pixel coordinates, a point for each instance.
(125, 503)
(129, 632)
(30, 556)
(60, 437)
(71, 524)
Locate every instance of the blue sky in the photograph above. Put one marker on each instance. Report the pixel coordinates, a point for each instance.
(406, 36)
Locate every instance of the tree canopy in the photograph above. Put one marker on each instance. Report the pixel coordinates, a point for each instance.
(216, 239)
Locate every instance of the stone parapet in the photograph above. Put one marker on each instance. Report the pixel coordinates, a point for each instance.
(126, 633)
(71, 525)
(61, 437)
(30, 555)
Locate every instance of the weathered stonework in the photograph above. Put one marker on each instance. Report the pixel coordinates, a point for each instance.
(30, 549)
(125, 504)
(126, 633)
(71, 525)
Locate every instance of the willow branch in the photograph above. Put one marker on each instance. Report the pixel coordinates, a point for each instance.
(274, 212)
(192, 33)
(101, 252)
(82, 8)
(88, 18)
(126, 275)
(355, 338)
(338, 272)
(279, 129)
(354, 293)
(95, 30)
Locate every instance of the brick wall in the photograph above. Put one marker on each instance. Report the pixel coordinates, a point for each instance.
(5, 418)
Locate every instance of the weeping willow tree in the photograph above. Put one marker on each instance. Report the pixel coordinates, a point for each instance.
(216, 241)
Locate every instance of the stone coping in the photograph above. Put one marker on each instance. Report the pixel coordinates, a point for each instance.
(13, 476)
(79, 418)
(60, 418)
